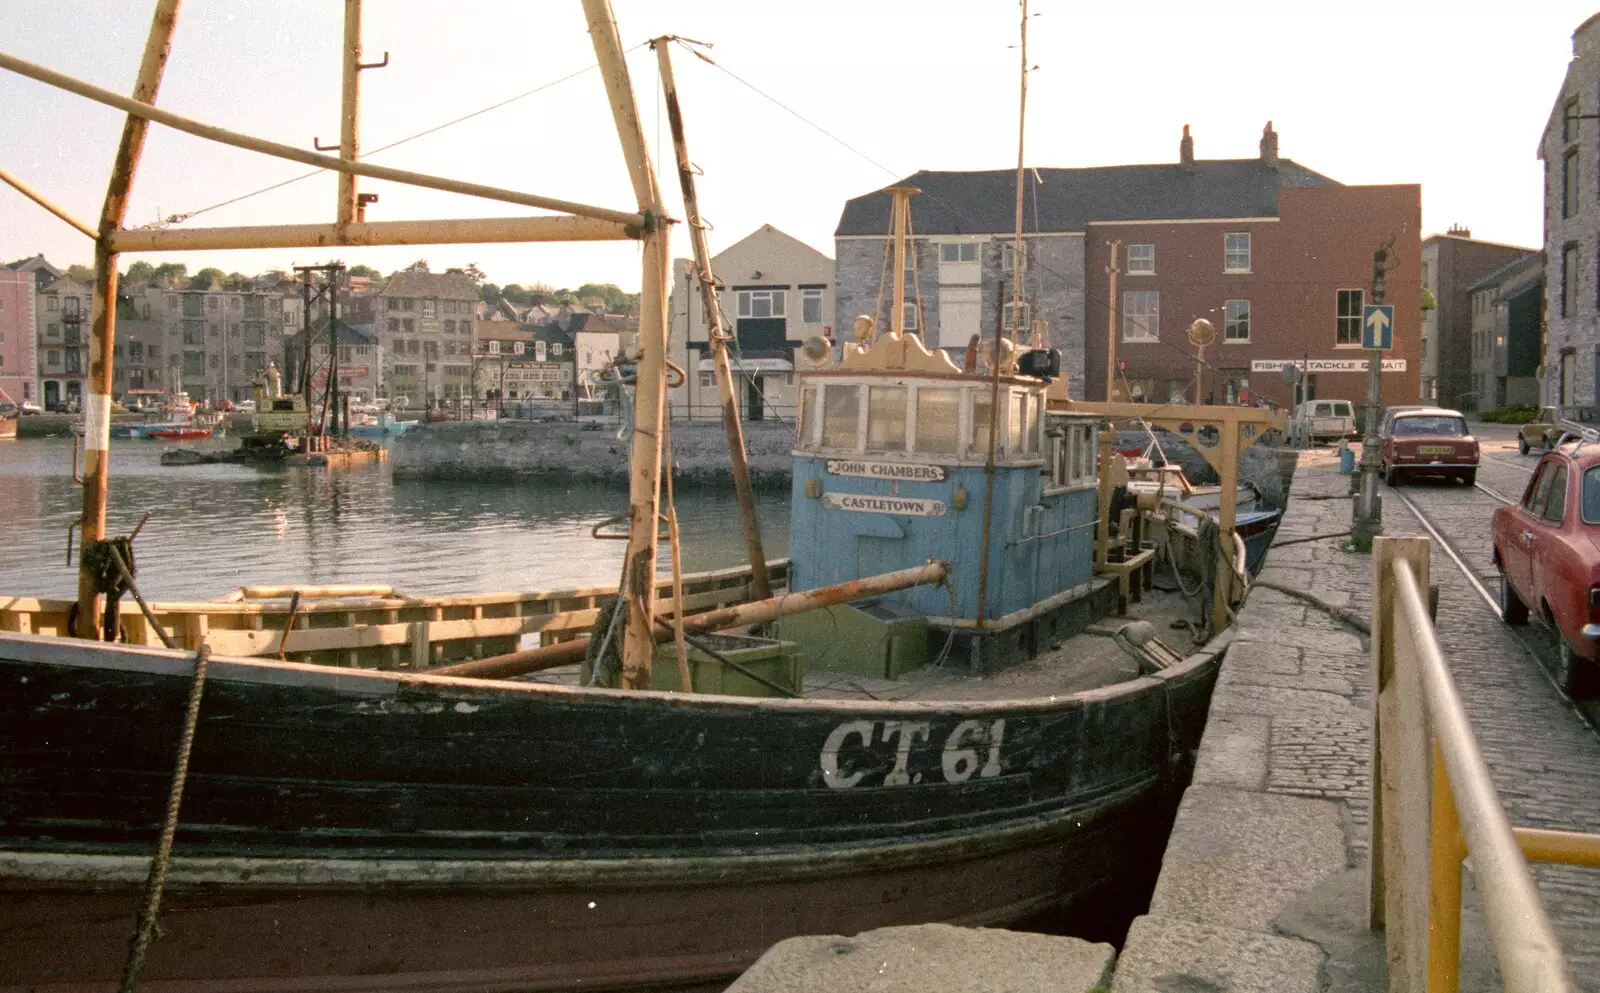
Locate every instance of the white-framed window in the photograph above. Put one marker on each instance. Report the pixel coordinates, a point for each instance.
(1019, 316)
(494, 348)
(708, 380)
(958, 251)
(430, 308)
(1141, 259)
(540, 351)
(1008, 255)
(762, 303)
(911, 254)
(1236, 321)
(52, 302)
(555, 349)
(811, 306)
(1141, 315)
(908, 319)
(1347, 322)
(1236, 251)
(516, 348)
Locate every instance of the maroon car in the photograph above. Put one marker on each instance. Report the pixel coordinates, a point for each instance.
(1428, 441)
(1547, 548)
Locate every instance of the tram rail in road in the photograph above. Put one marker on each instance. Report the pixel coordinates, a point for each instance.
(1528, 637)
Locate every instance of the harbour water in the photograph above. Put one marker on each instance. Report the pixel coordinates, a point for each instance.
(216, 527)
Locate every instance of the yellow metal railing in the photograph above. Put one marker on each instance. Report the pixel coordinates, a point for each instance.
(1434, 804)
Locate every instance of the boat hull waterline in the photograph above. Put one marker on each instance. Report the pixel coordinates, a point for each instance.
(354, 830)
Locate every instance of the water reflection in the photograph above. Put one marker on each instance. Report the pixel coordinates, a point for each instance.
(215, 527)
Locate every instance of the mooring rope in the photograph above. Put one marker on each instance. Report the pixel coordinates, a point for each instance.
(144, 930)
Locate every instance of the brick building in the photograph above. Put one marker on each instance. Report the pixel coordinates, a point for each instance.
(1571, 367)
(19, 365)
(1277, 257)
(1451, 263)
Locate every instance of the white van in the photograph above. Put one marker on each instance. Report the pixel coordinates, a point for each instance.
(1325, 420)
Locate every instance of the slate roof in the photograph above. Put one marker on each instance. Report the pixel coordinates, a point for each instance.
(444, 285)
(1068, 199)
(1516, 267)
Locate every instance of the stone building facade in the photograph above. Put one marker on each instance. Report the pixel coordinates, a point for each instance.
(217, 339)
(1451, 263)
(1570, 372)
(425, 333)
(1507, 312)
(62, 324)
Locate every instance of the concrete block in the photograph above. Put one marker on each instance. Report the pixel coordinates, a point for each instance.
(1237, 858)
(930, 958)
(1163, 955)
(1234, 753)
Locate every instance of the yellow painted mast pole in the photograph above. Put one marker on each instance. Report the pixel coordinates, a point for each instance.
(897, 226)
(1018, 258)
(97, 399)
(1111, 321)
(716, 334)
(350, 110)
(644, 485)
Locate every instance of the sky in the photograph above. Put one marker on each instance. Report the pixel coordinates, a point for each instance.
(1451, 94)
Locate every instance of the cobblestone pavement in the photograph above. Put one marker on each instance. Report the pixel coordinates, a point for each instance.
(1544, 756)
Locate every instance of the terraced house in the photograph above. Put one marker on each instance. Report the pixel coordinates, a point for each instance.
(1277, 257)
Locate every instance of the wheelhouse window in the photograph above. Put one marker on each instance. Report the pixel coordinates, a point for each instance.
(807, 416)
(886, 418)
(1141, 315)
(1236, 320)
(1072, 455)
(1236, 251)
(762, 303)
(1347, 320)
(938, 421)
(841, 419)
(1141, 259)
(1019, 316)
(811, 306)
(982, 411)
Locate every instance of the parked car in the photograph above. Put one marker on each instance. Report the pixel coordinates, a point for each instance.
(1542, 432)
(1428, 441)
(1325, 420)
(1547, 549)
(1389, 414)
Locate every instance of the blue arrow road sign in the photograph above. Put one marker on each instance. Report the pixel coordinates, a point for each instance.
(1377, 326)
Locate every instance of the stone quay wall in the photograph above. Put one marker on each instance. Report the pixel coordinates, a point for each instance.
(566, 451)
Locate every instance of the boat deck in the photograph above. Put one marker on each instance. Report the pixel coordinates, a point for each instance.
(1085, 661)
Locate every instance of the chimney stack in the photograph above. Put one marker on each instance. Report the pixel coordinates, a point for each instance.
(1460, 231)
(1186, 150)
(1269, 147)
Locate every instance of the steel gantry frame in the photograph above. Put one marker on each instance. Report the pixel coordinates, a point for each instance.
(648, 224)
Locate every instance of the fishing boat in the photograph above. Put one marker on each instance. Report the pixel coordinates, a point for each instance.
(178, 432)
(941, 708)
(381, 425)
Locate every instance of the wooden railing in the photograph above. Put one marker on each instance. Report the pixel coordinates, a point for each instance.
(1434, 804)
(377, 627)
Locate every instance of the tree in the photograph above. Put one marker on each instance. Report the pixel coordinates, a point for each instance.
(170, 271)
(206, 278)
(364, 270)
(139, 272)
(236, 279)
(489, 293)
(514, 294)
(616, 301)
(80, 274)
(421, 265)
(473, 271)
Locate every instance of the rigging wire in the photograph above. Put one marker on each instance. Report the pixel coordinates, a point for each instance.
(180, 218)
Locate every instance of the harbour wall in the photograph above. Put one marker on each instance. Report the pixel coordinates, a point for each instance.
(566, 451)
(1263, 884)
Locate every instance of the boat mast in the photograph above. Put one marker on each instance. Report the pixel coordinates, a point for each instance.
(103, 334)
(644, 485)
(900, 215)
(716, 335)
(1018, 258)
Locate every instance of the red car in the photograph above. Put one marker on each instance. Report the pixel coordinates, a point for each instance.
(1547, 549)
(1427, 441)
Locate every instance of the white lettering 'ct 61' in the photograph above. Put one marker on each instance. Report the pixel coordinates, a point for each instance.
(972, 748)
